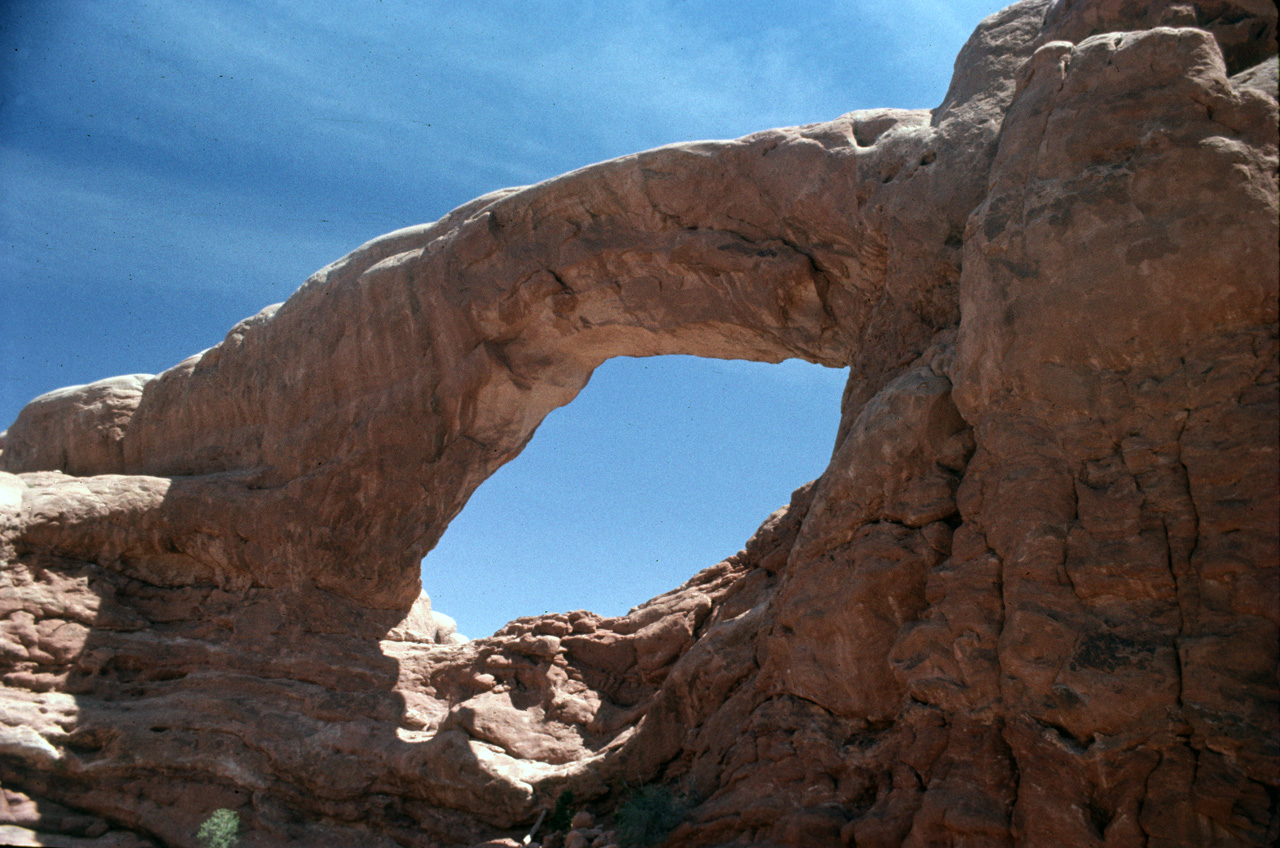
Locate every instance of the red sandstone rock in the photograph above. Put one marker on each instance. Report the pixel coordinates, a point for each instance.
(1034, 600)
(77, 430)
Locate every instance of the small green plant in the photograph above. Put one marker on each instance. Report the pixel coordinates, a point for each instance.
(649, 815)
(562, 815)
(220, 829)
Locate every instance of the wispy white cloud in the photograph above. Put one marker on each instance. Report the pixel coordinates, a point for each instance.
(131, 227)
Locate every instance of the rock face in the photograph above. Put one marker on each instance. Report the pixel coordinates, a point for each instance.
(1034, 600)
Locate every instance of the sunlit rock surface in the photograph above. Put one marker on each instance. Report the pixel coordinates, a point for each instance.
(1034, 600)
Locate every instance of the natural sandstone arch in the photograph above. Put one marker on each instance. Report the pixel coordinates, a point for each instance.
(361, 413)
(1032, 601)
(372, 403)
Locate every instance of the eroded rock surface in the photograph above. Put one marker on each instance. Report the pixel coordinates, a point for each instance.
(1034, 599)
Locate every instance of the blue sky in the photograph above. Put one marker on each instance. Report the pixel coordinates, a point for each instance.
(167, 168)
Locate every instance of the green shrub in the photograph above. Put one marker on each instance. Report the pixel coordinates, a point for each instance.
(649, 815)
(562, 815)
(220, 829)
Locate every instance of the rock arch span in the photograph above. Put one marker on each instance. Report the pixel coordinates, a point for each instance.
(371, 404)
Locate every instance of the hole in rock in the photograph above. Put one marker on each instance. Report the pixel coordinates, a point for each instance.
(659, 468)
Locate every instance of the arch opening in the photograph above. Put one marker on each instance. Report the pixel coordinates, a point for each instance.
(661, 467)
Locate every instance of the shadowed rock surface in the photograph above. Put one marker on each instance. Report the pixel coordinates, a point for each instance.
(1034, 599)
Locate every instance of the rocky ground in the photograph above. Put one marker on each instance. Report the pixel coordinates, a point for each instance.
(1034, 599)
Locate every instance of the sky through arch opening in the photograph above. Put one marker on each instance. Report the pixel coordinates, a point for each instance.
(660, 467)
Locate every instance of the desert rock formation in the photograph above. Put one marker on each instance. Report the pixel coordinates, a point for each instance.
(1034, 599)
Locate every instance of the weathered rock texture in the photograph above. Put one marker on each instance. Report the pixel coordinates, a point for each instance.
(1034, 600)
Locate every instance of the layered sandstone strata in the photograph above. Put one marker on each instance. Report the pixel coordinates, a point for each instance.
(1033, 600)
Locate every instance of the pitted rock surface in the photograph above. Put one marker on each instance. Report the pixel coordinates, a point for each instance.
(1034, 599)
